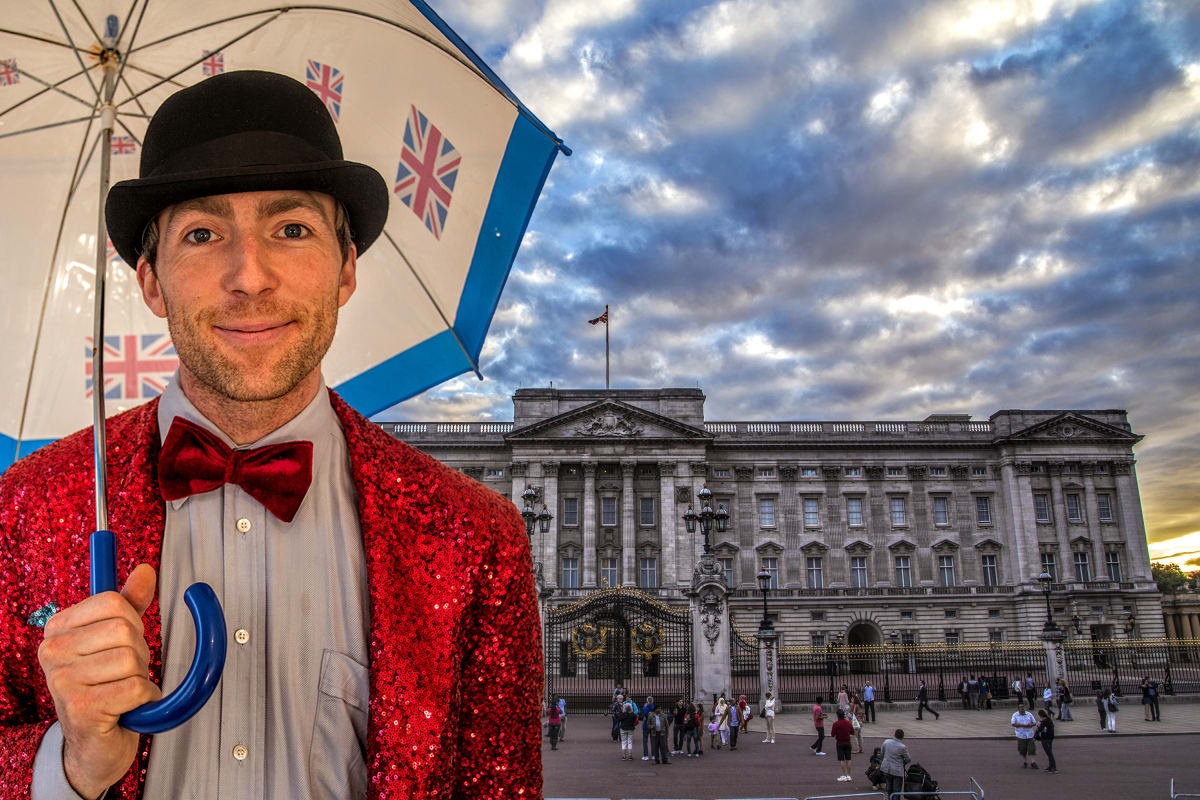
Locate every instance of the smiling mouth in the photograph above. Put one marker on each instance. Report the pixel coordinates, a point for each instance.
(252, 333)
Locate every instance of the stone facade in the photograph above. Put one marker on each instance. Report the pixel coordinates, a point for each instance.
(1181, 615)
(934, 529)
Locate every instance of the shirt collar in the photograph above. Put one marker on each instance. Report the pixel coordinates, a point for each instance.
(314, 423)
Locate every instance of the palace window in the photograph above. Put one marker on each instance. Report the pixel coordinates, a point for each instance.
(991, 574)
(570, 573)
(1050, 566)
(771, 565)
(983, 510)
(853, 472)
(766, 513)
(993, 612)
(766, 472)
(995, 635)
(941, 512)
(953, 637)
(608, 511)
(808, 472)
(1074, 509)
(1104, 504)
(608, 572)
(978, 472)
(495, 472)
(817, 616)
(895, 472)
(946, 570)
(1083, 569)
(727, 568)
(721, 473)
(906, 615)
(937, 472)
(898, 515)
(815, 580)
(1112, 560)
(647, 510)
(648, 572)
(904, 571)
(1101, 469)
(951, 613)
(858, 572)
(570, 512)
(818, 640)
(854, 513)
(1041, 506)
(812, 515)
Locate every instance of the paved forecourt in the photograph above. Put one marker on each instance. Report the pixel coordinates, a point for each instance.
(1099, 767)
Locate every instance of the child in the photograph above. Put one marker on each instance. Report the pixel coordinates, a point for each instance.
(712, 733)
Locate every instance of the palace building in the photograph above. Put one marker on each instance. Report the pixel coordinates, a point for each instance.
(903, 531)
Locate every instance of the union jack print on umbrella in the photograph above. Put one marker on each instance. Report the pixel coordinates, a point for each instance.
(327, 83)
(134, 366)
(427, 173)
(123, 145)
(112, 255)
(9, 74)
(213, 64)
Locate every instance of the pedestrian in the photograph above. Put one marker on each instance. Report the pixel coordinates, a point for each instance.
(923, 701)
(627, 721)
(1048, 699)
(691, 730)
(680, 728)
(1111, 705)
(1102, 707)
(1023, 725)
(562, 713)
(963, 692)
(734, 725)
(895, 762)
(856, 712)
(614, 710)
(659, 722)
(973, 693)
(819, 723)
(1018, 688)
(868, 693)
(643, 715)
(1030, 689)
(1064, 700)
(985, 692)
(769, 717)
(1150, 699)
(842, 732)
(1044, 733)
(554, 723)
(723, 716)
(714, 729)
(843, 700)
(744, 713)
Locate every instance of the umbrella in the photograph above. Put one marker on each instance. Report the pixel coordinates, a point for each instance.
(78, 85)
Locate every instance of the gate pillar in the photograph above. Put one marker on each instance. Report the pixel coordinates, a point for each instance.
(1056, 657)
(710, 625)
(768, 667)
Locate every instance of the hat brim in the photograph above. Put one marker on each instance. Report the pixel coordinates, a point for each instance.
(360, 188)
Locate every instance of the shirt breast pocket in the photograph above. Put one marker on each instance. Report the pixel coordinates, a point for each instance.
(337, 760)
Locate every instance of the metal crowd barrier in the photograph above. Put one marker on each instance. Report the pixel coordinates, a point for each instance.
(974, 794)
(1180, 794)
(840, 796)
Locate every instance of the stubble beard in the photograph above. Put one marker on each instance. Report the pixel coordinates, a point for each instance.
(247, 383)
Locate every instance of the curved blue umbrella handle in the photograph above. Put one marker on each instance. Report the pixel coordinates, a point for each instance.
(205, 673)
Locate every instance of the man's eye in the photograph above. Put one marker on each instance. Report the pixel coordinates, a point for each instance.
(294, 230)
(198, 236)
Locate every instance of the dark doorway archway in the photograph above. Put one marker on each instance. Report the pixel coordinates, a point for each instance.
(862, 635)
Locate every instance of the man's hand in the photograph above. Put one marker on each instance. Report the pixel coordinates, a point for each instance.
(96, 663)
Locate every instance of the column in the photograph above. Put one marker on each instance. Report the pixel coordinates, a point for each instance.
(1169, 618)
(747, 532)
(878, 526)
(1058, 504)
(550, 540)
(667, 530)
(833, 530)
(790, 522)
(1024, 561)
(923, 564)
(962, 514)
(589, 525)
(710, 633)
(1133, 527)
(1092, 518)
(1193, 621)
(517, 471)
(628, 526)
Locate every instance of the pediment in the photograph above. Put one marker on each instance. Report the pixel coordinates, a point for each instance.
(902, 545)
(813, 546)
(859, 544)
(770, 544)
(1081, 541)
(987, 544)
(1070, 426)
(608, 419)
(945, 544)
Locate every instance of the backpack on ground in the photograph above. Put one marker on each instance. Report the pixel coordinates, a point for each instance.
(917, 779)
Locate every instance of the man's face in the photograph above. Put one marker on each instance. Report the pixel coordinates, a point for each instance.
(250, 285)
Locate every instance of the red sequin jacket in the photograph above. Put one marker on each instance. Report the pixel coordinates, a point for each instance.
(454, 640)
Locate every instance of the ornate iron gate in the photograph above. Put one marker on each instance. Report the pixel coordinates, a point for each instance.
(617, 636)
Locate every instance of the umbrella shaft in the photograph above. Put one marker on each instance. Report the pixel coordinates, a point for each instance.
(107, 117)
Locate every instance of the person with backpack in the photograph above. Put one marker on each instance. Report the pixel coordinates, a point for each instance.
(985, 694)
(1044, 733)
(1112, 707)
(691, 731)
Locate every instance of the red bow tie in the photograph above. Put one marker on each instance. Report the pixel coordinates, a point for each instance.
(194, 460)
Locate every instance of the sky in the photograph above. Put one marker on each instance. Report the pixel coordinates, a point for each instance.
(850, 210)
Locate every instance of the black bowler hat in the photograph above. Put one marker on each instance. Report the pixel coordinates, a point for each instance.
(244, 131)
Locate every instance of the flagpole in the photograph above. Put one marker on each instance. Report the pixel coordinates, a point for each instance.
(606, 345)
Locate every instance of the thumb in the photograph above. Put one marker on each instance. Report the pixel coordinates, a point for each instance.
(139, 588)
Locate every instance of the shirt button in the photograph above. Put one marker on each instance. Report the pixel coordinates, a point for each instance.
(242, 635)
(243, 525)
(240, 752)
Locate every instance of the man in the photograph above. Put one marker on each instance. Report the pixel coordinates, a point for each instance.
(658, 722)
(1023, 724)
(818, 714)
(973, 693)
(379, 604)
(869, 702)
(1030, 690)
(842, 732)
(644, 715)
(895, 762)
(615, 711)
(923, 702)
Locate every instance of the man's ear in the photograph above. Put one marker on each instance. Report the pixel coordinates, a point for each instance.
(347, 277)
(151, 288)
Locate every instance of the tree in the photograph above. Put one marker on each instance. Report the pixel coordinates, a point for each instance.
(1169, 577)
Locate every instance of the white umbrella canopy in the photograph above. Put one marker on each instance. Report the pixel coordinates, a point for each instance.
(465, 159)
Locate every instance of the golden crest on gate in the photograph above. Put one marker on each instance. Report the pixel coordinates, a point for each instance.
(589, 639)
(647, 640)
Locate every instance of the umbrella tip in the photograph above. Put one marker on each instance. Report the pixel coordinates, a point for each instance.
(112, 26)
(566, 151)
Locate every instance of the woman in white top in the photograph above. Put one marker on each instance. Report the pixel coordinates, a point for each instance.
(843, 701)
(769, 716)
(1112, 707)
(723, 721)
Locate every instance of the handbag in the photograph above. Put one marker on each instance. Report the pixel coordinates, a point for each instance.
(855, 723)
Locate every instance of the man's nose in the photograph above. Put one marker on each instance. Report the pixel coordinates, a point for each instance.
(251, 267)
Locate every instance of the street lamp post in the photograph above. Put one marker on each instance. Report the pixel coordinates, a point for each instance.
(887, 686)
(764, 586)
(529, 495)
(1046, 580)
